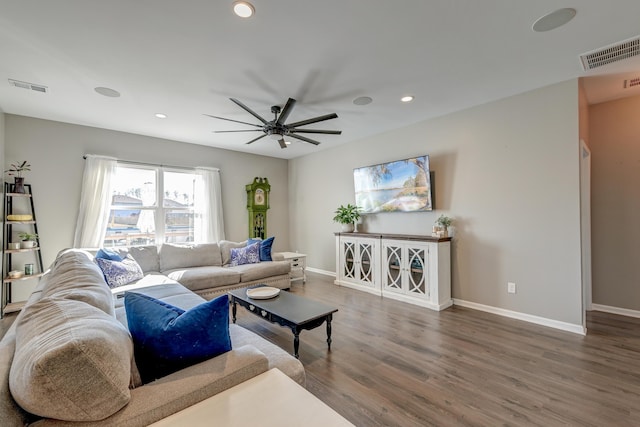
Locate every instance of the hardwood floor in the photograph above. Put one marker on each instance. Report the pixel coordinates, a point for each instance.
(395, 364)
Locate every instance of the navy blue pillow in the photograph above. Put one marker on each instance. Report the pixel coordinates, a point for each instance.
(109, 254)
(265, 247)
(167, 338)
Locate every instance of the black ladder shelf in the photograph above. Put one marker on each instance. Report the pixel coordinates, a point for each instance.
(30, 226)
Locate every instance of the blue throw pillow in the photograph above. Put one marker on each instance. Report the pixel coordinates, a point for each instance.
(120, 273)
(247, 255)
(109, 254)
(265, 247)
(167, 338)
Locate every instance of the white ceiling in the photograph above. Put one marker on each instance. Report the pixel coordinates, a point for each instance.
(186, 58)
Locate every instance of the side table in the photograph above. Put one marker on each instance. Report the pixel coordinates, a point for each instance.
(298, 265)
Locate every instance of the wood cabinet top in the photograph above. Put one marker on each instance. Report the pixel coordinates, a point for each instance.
(413, 237)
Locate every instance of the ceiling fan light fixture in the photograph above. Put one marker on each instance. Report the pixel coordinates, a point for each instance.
(243, 9)
(275, 136)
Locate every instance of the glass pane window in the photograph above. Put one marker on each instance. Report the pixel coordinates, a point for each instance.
(150, 205)
(179, 189)
(179, 226)
(134, 189)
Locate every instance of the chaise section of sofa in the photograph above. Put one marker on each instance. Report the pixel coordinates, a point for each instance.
(74, 287)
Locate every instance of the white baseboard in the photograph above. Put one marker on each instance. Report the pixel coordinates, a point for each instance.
(325, 272)
(569, 327)
(616, 310)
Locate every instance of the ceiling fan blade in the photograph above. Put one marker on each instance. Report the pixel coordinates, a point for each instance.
(229, 131)
(286, 111)
(314, 120)
(254, 140)
(327, 132)
(248, 110)
(282, 143)
(305, 139)
(231, 120)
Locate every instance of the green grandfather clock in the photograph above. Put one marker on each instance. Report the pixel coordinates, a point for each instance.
(257, 205)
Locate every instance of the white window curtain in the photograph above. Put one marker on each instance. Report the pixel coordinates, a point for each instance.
(95, 201)
(208, 222)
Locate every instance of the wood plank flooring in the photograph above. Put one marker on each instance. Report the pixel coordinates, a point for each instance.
(395, 364)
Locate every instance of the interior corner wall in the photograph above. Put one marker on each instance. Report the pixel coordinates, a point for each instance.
(583, 110)
(615, 202)
(55, 152)
(506, 171)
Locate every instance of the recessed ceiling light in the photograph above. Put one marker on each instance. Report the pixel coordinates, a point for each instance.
(287, 142)
(107, 92)
(243, 9)
(161, 116)
(553, 20)
(363, 100)
(407, 98)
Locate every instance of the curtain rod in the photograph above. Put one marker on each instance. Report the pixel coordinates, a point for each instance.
(131, 162)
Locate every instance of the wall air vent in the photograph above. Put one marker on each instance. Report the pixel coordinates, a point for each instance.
(27, 85)
(612, 53)
(629, 83)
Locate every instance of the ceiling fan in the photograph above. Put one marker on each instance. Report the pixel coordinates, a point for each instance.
(277, 128)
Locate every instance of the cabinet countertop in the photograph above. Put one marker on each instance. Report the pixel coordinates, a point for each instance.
(414, 237)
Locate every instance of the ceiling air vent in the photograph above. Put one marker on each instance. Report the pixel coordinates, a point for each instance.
(27, 85)
(629, 83)
(612, 53)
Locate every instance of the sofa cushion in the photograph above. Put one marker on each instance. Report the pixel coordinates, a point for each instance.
(145, 256)
(72, 361)
(265, 247)
(278, 358)
(250, 254)
(75, 276)
(225, 250)
(110, 254)
(194, 255)
(120, 273)
(199, 278)
(167, 338)
(251, 272)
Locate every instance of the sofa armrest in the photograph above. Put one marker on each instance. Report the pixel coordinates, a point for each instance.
(165, 396)
(277, 256)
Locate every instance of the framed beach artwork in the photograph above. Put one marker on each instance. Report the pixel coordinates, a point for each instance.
(398, 186)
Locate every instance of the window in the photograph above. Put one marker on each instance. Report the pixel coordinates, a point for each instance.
(151, 205)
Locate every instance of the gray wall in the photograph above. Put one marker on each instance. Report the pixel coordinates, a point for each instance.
(507, 172)
(615, 194)
(55, 152)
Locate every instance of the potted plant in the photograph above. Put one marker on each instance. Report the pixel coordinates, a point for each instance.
(28, 240)
(16, 170)
(444, 222)
(347, 216)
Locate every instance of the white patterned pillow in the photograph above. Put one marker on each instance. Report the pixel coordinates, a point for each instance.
(247, 255)
(120, 273)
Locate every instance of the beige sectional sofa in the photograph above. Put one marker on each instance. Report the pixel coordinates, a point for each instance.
(205, 268)
(68, 358)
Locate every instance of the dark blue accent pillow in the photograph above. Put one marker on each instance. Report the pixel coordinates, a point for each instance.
(109, 254)
(265, 247)
(167, 338)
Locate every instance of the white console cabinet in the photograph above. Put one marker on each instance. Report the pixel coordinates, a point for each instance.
(413, 269)
(358, 258)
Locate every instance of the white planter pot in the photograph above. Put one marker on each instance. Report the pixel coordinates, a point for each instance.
(347, 228)
(28, 244)
(15, 245)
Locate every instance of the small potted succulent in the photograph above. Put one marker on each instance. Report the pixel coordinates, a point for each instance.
(29, 240)
(16, 170)
(347, 216)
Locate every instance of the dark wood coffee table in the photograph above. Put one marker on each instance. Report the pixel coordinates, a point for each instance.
(289, 310)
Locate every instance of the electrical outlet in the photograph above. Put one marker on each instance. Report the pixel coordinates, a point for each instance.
(511, 287)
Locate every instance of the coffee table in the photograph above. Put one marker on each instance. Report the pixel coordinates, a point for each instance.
(292, 311)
